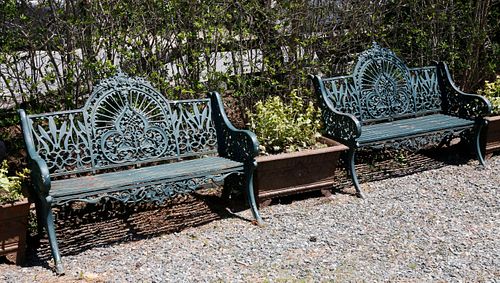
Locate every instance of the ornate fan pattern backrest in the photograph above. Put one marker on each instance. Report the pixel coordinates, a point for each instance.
(131, 122)
(383, 85)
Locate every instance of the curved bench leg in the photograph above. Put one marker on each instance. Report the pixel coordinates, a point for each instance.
(477, 142)
(352, 171)
(251, 196)
(51, 233)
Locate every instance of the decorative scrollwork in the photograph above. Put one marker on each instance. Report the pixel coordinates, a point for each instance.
(339, 126)
(193, 126)
(235, 144)
(133, 136)
(61, 140)
(239, 145)
(420, 142)
(343, 127)
(425, 86)
(458, 103)
(343, 95)
(155, 193)
(130, 122)
(383, 85)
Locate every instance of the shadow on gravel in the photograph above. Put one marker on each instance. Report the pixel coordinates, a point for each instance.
(376, 165)
(81, 226)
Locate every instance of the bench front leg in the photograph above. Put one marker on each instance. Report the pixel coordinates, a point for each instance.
(48, 217)
(477, 142)
(351, 155)
(238, 145)
(40, 178)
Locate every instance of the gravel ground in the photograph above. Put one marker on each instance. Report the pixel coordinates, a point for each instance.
(438, 225)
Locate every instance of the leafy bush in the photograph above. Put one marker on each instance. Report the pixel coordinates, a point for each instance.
(53, 52)
(11, 186)
(284, 127)
(492, 92)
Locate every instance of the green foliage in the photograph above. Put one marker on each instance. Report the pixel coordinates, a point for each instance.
(282, 127)
(11, 186)
(491, 91)
(270, 46)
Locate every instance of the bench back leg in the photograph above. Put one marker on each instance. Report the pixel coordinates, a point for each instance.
(251, 195)
(477, 143)
(352, 170)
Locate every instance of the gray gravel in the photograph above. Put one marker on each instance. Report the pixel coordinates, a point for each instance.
(438, 225)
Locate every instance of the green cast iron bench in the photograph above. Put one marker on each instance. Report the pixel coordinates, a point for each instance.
(130, 144)
(386, 104)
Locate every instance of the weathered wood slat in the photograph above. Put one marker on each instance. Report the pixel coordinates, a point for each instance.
(114, 181)
(411, 127)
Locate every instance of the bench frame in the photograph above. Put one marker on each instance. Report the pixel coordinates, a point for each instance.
(73, 143)
(383, 89)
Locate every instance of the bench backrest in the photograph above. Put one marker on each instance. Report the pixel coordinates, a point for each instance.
(124, 122)
(383, 88)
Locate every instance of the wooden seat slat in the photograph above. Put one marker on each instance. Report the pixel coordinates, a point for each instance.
(96, 184)
(411, 127)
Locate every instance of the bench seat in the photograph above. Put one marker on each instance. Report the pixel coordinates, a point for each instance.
(411, 127)
(386, 104)
(131, 144)
(87, 186)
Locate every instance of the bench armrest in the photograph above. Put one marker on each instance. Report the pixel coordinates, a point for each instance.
(235, 144)
(456, 102)
(342, 127)
(40, 175)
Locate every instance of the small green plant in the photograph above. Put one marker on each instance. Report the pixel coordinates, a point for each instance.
(11, 186)
(284, 127)
(492, 92)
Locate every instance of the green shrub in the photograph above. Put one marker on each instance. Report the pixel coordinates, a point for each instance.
(492, 92)
(11, 186)
(284, 127)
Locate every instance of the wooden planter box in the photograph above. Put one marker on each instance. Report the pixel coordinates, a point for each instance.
(296, 172)
(492, 134)
(13, 230)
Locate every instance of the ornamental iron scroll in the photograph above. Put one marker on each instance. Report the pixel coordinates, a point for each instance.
(237, 145)
(61, 140)
(425, 87)
(156, 193)
(383, 85)
(458, 103)
(339, 125)
(342, 94)
(193, 127)
(129, 121)
(417, 143)
(133, 138)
